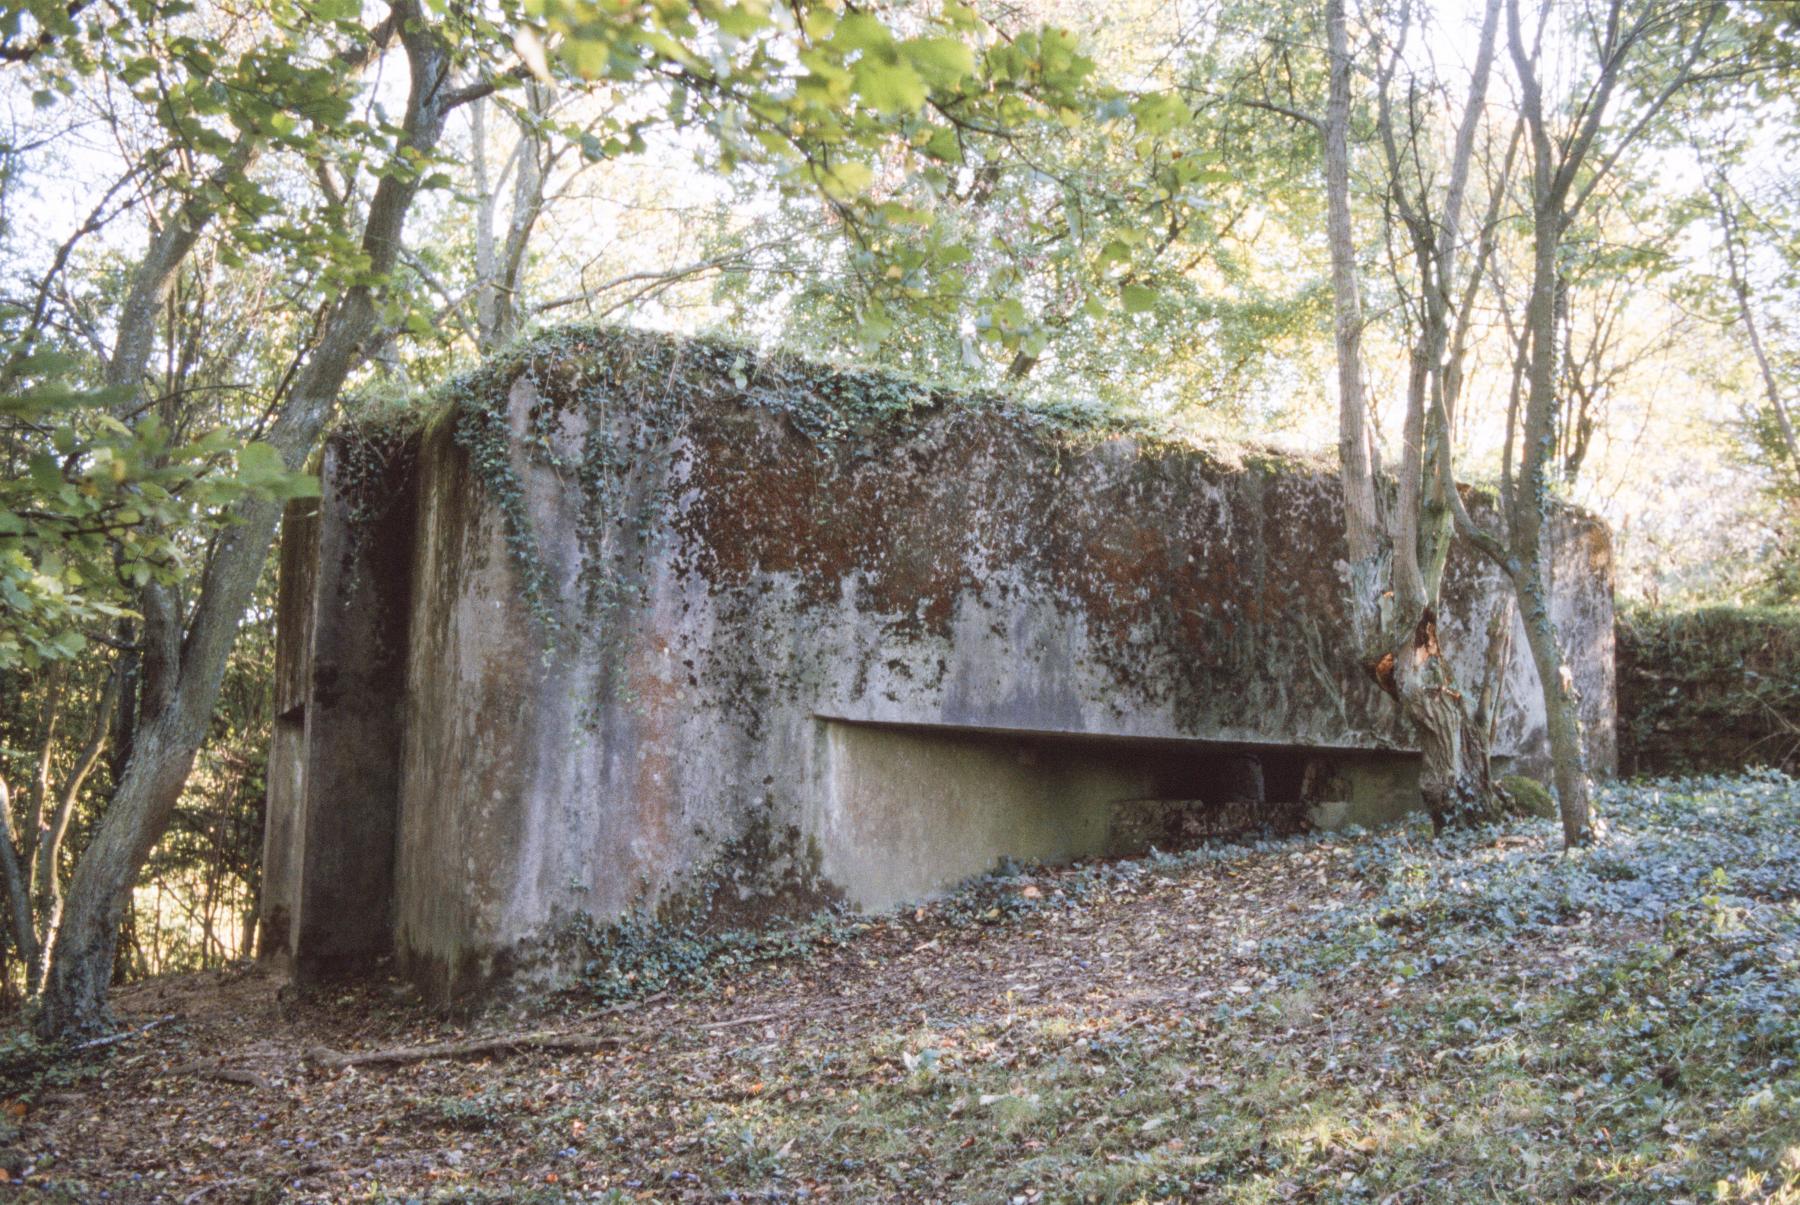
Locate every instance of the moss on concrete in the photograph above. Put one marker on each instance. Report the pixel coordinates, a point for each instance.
(1528, 797)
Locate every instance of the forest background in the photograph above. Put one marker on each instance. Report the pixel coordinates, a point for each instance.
(225, 226)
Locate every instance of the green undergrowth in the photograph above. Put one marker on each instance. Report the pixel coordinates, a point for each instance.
(1482, 1017)
(827, 401)
(642, 955)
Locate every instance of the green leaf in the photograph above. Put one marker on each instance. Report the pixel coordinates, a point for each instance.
(875, 329)
(259, 464)
(945, 61)
(45, 475)
(1160, 112)
(742, 20)
(1137, 298)
(888, 87)
(847, 178)
(943, 145)
(860, 31)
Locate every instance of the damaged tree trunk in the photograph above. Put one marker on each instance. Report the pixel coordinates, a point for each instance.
(1396, 567)
(1455, 777)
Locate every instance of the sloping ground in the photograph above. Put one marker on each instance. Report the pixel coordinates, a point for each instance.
(1377, 1018)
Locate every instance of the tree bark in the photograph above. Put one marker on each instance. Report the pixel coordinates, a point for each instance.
(155, 275)
(1562, 711)
(1740, 292)
(1368, 564)
(40, 784)
(1396, 567)
(500, 262)
(1455, 779)
(1550, 182)
(1527, 527)
(18, 892)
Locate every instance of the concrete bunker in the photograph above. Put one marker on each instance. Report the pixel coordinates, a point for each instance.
(637, 621)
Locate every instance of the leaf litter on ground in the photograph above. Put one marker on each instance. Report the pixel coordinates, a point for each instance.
(1340, 1017)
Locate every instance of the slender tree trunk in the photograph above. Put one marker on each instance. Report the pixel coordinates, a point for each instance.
(18, 890)
(47, 890)
(40, 786)
(1562, 710)
(1740, 292)
(485, 271)
(527, 208)
(1528, 528)
(1368, 568)
(1529, 513)
(81, 966)
(155, 275)
(1565, 171)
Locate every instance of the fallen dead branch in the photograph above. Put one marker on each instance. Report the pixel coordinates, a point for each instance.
(732, 1022)
(501, 1044)
(230, 1075)
(124, 1035)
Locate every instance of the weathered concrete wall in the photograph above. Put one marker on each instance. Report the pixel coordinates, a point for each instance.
(1709, 690)
(341, 657)
(286, 808)
(355, 704)
(781, 685)
(909, 809)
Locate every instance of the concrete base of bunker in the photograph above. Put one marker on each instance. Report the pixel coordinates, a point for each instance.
(912, 809)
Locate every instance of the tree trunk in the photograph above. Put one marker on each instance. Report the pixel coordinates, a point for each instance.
(1529, 520)
(1455, 780)
(1388, 580)
(1368, 567)
(81, 965)
(1562, 711)
(47, 904)
(1562, 178)
(18, 891)
(1740, 292)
